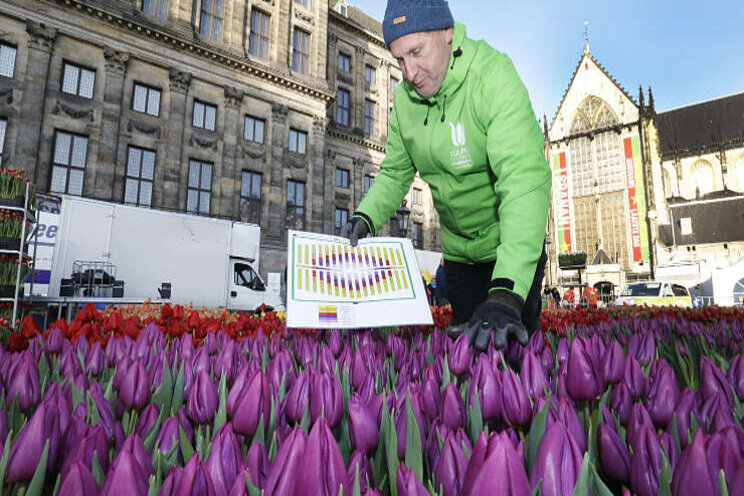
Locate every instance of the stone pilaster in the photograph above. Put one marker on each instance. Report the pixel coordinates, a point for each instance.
(40, 47)
(276, 202)
(229, 187)
(107, 178)
(170, 173)
(315, 174)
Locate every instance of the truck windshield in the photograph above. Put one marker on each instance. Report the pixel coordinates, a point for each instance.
(642, 289)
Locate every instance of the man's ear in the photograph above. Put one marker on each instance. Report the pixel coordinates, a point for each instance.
(448, 35)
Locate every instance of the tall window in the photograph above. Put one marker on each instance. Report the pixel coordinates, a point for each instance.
(68, 163)
(297, 141)
(369, 75)
(250, 197)
(156, 8)
(210, 24)
(78, 80)
(702, 178)
(259, 39)
(342, 106)
(344, 62)
(199, 191)
(140, 172)
(254, 129)
(342, 178)
(204, 115)
(295, 204)
(393, 83)
(369, 117)
(300, 51)
(368, 182)
(146, 99)
(416, 196)
(3, 127)
(304, 3)
(342, 217)
(418, 235)
(7, 60)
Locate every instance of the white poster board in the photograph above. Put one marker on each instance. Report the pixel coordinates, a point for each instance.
(331, 285)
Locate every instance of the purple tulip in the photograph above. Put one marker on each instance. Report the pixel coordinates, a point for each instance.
(401, 418)
(254, 402)
(363, 431)
(147, 420)
(200, 361)
(663, 394)
(133, 445)
(224, 459)
(226, 362)
(684, 408)
(488, 387)
(533, 376)
(613, 364)
(667, 444)
(717, 413)
(516, 403)
(125, 476)
(565, 413)
(298, 396)
(713, 382)
(645, 465)
(195, 479)
(3, 426)
(408, 484)
(735, 375)
(452, 409)
(459, 358)
(257, 464)
(24, 384)
(94, 360)
(639, 417)
(326, 399)
(323, 471)
(26, 450)
(722, 455)
(431, 397)
(584, 381)
(76, 480)
(495, 468)
(202, 399)
(634, 379)
(449, 472)
(360, 460)
(54, 341)
(692, 475)
(613, 453)
(90, 440)
(284, 470)
(104, 408)
(557, 463)
(562, 351)
(134, 390)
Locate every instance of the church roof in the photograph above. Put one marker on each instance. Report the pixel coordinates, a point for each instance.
(702, 126)
(576, 71)
(715, 218)
(367, 22)
(601, 257)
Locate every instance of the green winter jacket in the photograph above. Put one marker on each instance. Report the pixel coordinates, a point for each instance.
(479, 147)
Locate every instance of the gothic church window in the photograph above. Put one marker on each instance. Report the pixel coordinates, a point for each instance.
(702, 178)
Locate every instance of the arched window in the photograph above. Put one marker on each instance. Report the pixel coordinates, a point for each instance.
(668, 190)
(702, 177)
(736, 175)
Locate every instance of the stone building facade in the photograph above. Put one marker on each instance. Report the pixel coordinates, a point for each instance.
(222, 108)
(628, 181)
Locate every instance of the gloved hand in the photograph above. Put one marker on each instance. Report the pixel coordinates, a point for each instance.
(500, 315)
(355, 229)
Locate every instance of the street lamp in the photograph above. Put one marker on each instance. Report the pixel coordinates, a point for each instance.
(401, 215)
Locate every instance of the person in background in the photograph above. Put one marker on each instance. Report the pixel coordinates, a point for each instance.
(463, 120)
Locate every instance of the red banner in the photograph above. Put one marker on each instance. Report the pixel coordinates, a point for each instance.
(635, 223)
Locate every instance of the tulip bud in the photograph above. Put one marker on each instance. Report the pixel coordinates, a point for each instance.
(363, 432)
(202, 399)
(284, 470)
(645, 465)
(692, 475)
(663, 394)
(514, 399)
(613, 364)
(360, 460)
(134, 390)
(557, 463)
(452, 410)
(147, 419)
(195, 479)
(408, 484)
(253, 403)
(613, 453)
(495, 468)
(24, 384)
(257, 464)
(532, 376)
(27, 448)
(326, 399)
(713, 382)
(323, 471)
(634, 379)
(297, 397)
(76, 480)
(224, 459)
(125, 476)
(449, 473)
(459, 358)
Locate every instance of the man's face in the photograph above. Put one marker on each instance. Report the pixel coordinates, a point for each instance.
(423, 58)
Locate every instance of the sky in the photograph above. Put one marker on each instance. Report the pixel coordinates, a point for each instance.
(686, 51)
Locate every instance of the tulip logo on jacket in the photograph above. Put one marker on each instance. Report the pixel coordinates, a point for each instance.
(460, 157)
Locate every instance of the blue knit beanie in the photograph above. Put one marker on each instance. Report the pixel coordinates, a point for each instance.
(404, 17)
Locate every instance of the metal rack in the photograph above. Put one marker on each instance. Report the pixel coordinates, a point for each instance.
(93, 278)
(21, 251)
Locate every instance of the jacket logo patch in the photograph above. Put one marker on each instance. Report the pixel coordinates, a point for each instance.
(458, 134)
(398, 20)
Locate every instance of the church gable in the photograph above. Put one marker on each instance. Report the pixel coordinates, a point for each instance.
(591, 81)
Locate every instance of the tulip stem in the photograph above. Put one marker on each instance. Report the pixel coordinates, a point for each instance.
(587, 418)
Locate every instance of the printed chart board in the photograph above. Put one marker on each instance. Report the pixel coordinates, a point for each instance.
(331, 285)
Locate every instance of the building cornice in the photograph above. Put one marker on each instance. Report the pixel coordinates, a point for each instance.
(348, 24)
(140, 25)
(703, 149)
(336, 132)
(617, 128)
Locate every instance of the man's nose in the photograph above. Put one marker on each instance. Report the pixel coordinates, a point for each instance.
(410, 71)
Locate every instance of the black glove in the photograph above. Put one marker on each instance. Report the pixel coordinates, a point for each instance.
(356, 229)
(500, 315)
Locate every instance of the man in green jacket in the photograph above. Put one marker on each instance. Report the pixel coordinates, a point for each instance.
(463, 120)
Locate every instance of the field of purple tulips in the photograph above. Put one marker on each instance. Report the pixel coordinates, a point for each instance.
(632, 403)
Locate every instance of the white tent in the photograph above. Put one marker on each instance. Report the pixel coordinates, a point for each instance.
(728, 284)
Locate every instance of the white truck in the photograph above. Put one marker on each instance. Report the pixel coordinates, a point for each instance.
(201, 260)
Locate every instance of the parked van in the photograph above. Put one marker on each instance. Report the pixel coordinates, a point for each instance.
(654, 293)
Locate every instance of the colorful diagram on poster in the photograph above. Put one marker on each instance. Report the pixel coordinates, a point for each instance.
(332, 284)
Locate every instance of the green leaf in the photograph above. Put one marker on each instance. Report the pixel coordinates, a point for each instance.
(221, 416)
(429, 355)
(36, 486)
(252, 490)
(391, 448)
(675, 433)
(77, 395)
(598, 487)
(16, 420)
(152, 434)
(475, 418)
(537, 431)
(163, 396)
(81, 358)
(582, 484)
(153, 489)
(305, 417)
(722, 487)
(258, 437)
(538, 489)
(4, 459)
(93, 417)
(346, 386)
(357, 491)
(98, 474)
(446, 375)
(273, 448)
(272, 415)
(282, 388)
(56, 485)
(108, 391)
(665, 477)
(694, 426)
(186, 449)
(177, 399)
(413, 441)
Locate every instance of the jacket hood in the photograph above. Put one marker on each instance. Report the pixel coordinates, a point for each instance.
(462, 55)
